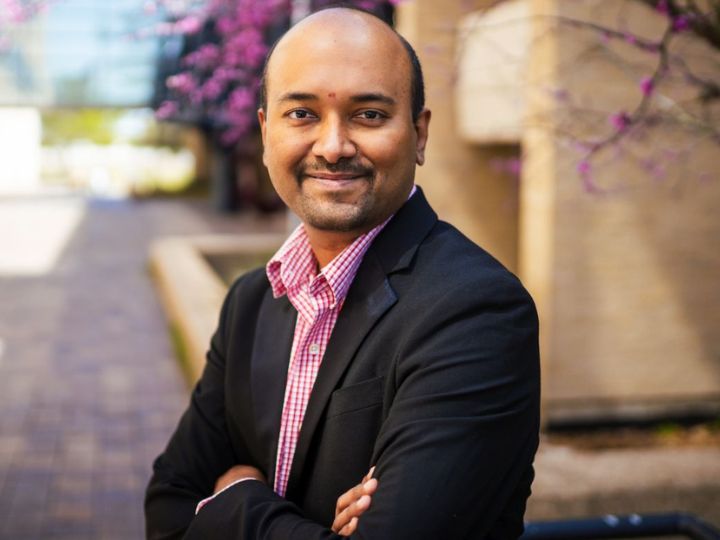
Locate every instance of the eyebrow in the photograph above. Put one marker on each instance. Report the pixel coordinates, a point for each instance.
(373, 96)
(297, 96)
(358, 98)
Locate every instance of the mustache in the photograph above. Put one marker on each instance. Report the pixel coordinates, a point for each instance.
(343, 166)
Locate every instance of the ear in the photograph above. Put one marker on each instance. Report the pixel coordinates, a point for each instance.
(262, 119)
(421, 129)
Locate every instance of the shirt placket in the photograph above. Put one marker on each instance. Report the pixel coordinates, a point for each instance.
(301, 377)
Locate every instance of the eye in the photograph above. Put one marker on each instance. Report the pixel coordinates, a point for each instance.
(371, 114)
(300, 114)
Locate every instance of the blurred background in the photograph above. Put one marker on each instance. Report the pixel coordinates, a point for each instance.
(576, 140)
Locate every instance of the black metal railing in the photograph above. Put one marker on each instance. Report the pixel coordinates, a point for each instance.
(630, 526)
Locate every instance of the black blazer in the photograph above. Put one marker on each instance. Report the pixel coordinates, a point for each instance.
(431, 374)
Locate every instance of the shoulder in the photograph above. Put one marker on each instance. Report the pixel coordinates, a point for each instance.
(251, 283)
(246, 294)
(450, 264)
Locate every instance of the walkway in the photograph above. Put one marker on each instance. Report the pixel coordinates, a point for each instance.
(89, 386)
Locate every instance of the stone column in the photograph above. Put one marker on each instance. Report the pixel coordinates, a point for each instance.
(463, 181)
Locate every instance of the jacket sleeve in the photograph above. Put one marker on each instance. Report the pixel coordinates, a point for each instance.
(457, 442)
(460, 437)
(199, 451)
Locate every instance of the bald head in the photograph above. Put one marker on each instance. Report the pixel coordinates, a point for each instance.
(358, 28)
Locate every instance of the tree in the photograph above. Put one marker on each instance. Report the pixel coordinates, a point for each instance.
(215, 80)
(662, 68)
(16, 12)
(659, 102)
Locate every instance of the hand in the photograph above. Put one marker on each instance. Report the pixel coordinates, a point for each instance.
(236, 473)
(352, 504)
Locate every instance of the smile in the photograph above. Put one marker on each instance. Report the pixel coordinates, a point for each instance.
(335, 181)
(335, 177)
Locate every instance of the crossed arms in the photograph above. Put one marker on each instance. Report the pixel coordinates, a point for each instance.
(453, 454)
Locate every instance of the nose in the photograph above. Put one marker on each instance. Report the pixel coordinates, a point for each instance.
(333, 141)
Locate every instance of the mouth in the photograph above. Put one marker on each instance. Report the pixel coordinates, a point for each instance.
(335, 177)
(336, 180)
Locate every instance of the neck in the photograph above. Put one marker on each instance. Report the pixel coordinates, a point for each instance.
(327, 245)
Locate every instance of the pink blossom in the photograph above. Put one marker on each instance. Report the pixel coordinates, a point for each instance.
(189, 25)
(196, 96)
(212, 89)
(512, 166)
(241, 99)
(647, 86)
(246, 48)
(585, 170)
(662, 7)
(166, 110)
(630, 38)
(620, 121)
(232, 135)
(366, 4)
(561, 95)
(654, 169)
(223, 78)
(182, 82)
(680, 23)
(205, 57)
(225, 25)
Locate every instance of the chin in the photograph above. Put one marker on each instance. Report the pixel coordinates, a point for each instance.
(336, 221)
(336, 216)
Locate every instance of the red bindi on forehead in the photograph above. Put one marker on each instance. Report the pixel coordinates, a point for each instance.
(331, 95)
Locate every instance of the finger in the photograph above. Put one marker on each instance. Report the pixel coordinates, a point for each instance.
(354, 494)
(370, 486)
(347, 498)
(354, 510)
(369, 475)
(350, 528)
(343, 517)
(342, 520)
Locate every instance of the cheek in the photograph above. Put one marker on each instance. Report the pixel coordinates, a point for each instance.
(283, 152)
(390, 152)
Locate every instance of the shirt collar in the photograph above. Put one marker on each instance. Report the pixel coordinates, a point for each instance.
(294, 265)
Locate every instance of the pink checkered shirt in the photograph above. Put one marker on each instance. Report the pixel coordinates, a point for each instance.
(318, 298)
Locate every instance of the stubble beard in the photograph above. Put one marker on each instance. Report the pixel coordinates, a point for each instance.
(333, 213)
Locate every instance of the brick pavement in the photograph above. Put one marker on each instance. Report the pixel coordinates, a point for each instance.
(89, 386)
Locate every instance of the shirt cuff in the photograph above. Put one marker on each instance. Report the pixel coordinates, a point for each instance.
(207, 500)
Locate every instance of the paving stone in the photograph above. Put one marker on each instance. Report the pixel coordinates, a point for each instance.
(89, 387)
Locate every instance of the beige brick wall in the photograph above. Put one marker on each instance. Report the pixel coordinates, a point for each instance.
(629, 279)
(626, 280)
(461, 179)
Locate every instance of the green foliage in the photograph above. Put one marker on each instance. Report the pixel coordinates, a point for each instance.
(181, 352)
(668, 429)
(94, 125)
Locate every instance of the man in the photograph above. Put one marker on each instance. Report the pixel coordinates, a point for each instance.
(377, 336)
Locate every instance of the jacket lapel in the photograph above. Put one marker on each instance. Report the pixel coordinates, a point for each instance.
(369, 297)
(269, 365)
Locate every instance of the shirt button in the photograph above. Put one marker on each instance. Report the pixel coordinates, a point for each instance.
(314, 348)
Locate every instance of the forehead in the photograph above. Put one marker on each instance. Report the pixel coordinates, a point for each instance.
(338, 52)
